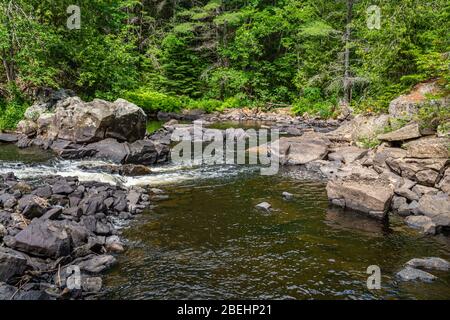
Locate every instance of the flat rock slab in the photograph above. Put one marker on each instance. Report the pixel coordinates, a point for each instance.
(347, 154)
(411, 274)
(428, 147)
(410, 131)
(9, 137)
(371, 196)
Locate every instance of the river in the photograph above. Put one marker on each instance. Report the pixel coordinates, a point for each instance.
(207, 240)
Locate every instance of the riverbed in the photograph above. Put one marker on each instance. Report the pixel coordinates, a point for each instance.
(208, 241)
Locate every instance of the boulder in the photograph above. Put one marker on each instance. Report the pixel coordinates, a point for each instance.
(444, 184)
(8, 138)
(360, 127)
(32, 206)
(12, 263)
(428, 147)
(95, 264)
(411, 274)
(424, 171)
(410, 131)
(436, 207)
(301, 150)
(91, 284)
(109, 150)
(43, 238)
(406, 106)
(88, 122)
(27, 127)
(368, 195)
(347, 154)
(265, 206)
(429, 263)
(424, 224)
(287, 195)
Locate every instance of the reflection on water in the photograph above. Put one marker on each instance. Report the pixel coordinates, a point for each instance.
(209, 242)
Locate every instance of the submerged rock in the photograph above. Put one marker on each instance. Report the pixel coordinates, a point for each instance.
(265, 206)
(425, 224)
(411, 274)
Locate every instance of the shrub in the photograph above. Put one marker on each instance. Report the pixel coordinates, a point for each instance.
(153, 101)
(313, 103)
(10, 114)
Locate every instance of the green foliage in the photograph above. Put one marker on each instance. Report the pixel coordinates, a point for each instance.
(368, 143)
(214, 54)
(313, 103)
(153, 101)
(434, 115)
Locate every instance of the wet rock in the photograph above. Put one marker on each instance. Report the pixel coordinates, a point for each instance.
(96, 264)
(287, 196)
(42, 238)
(109, 149)
(423, 223)
(436, 207)
(91, 284)
(7, 200)
(8, 137)
(265, 206)
(114, 245)
(429, 263)
(411, 274)
(144, 152)
(12, 263)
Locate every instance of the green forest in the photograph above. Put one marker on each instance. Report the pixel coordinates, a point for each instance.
(311, 55)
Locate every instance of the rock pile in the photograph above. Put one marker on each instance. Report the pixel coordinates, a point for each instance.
(60, 225)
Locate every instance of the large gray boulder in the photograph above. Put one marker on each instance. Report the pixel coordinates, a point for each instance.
(412, 274)
(359, 128)
(301, 150)
(406, 106)
(86, 122)
(436, 207)
(12, 263)
(43, 238)
(369, 195)
(429, 263)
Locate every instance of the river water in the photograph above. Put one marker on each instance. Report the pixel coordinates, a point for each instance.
(207, 240)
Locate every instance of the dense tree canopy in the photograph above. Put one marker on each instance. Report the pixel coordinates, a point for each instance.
(311, 54)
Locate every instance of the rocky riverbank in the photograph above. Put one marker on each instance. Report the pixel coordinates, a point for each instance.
(59, 228)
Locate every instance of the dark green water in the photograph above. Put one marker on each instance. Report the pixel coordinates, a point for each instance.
(209, 242)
